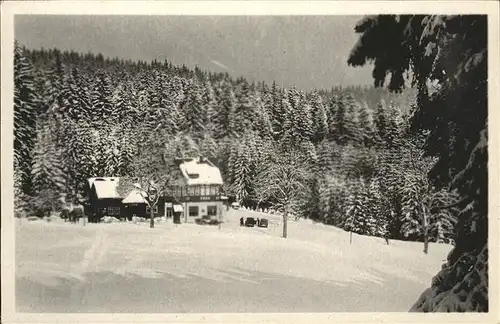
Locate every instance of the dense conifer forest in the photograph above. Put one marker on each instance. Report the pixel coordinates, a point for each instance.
(400, 163)
(79, 116)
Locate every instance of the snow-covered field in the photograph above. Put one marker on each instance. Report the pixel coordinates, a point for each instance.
(126, 267)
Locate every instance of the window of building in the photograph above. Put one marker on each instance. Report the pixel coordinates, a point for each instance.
(204, 191)
(113, 211)
(197, 190)
(213, 190)
(212, 210)
(193, 211)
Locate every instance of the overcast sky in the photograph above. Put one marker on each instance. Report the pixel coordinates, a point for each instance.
(307, 51)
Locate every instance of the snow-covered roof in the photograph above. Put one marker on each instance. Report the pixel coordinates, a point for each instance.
(134, 197)
(92, 180)
(105, 187)
(200, 171)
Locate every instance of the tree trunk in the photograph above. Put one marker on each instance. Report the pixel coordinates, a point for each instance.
(220, 218)
(425, 229)
(152, 220)
(285, 221)
(426, 240)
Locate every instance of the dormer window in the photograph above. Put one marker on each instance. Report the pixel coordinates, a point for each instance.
(193, 175)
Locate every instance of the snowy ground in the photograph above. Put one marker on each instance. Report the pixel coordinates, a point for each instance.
(126, 267)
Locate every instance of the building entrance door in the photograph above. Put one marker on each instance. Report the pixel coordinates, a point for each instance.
(169, 211)
(177, 218)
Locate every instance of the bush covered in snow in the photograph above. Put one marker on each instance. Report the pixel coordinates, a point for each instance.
(136, 219)
(460, 287)
(110, 219)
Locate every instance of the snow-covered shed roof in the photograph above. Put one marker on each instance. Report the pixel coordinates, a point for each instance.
(105, 187)
(200, 171)
(92, 180)
(134, 197)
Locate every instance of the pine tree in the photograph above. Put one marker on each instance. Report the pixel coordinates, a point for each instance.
(111, 153)
(311, 205)
(224, 116)
(174, 120)
(209, 107)
(357, 217)
(24, 118)
(288, 136)
(122, 104)
(382, 122)
(127, 152)
(101, 95)
(412, 194)
(195, 115)
(57, 90)
(47, 171)
(377, 209)
(279, 111)
(353, 134)
(303, 122)
(263, 126)
(334, 196)
(298, 125)
(319, 118)
(245, 116)
(77, 104)
(241, 170)
(20, 199)
(342, 121)
(395, 126)
(209, 147)
(366, 126)
(442, 221)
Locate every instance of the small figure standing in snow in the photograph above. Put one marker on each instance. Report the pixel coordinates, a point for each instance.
(241, 221)
(258, 221)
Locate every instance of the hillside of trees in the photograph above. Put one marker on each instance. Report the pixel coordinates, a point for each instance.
(82, 115)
